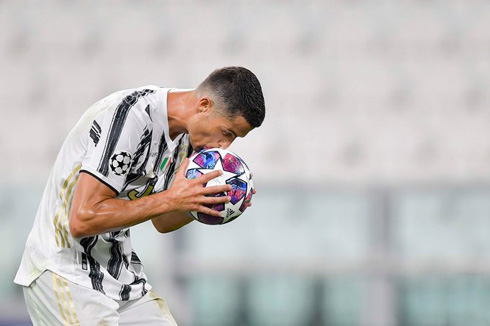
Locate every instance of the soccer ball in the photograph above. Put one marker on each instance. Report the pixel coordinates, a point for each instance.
(235, 173)
(120, 163)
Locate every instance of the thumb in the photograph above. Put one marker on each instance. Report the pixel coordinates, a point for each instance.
(183, 167)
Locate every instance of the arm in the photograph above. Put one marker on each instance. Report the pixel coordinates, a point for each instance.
(171, 221)
(95, 210)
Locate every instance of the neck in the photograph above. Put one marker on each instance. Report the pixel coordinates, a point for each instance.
(178, 111)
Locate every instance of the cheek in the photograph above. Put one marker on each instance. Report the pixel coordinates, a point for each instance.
(200, 135)
(209, 133)
(200, 132)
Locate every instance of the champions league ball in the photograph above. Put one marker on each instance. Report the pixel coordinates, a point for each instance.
(120, 163)
(235, 173)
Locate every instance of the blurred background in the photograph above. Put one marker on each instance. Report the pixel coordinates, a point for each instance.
(372, 166)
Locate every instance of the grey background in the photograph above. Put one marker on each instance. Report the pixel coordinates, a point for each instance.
(372, 165)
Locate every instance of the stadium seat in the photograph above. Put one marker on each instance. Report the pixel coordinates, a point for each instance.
(342, 301)
(214, 300)
(440, 300)
(280, 300)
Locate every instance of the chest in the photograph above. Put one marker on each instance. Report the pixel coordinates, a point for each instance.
(154, 170)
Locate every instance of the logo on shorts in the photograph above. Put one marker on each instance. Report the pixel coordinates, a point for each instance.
(120, 163)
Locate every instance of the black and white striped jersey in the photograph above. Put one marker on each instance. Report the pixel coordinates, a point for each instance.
(123, 140)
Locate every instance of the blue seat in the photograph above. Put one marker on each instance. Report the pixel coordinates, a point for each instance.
(214, 300)
(342, 301)
(280, 300)
(441, 300)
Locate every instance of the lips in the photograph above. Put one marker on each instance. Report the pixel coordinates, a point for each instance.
(203, 148)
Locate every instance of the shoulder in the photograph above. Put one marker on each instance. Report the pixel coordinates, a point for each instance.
(130, 104)
(130, 97)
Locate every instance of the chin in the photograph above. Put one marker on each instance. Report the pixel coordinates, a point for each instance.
(195, 146)
(198, 148)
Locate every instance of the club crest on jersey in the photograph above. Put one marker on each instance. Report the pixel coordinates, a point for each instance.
(120, 163)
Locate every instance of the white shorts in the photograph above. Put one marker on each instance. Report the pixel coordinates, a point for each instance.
(52, 300)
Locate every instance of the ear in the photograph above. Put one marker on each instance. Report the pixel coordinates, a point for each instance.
(205, 104)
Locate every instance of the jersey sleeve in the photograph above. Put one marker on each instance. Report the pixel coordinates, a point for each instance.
(113, 141)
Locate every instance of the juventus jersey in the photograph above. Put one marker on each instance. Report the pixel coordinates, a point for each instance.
(123, 140)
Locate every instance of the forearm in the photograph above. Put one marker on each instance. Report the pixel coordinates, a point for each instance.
(96, 211)
(171, 221)
(111, 214)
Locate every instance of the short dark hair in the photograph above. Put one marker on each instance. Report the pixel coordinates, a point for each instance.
(239, 91)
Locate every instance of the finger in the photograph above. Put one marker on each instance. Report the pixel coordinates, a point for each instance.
(216, 200)
(209, 176)
(209, 211)
(183, 167)
(254, 191)
(216, 189)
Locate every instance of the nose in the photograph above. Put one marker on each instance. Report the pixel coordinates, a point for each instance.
(224, 144)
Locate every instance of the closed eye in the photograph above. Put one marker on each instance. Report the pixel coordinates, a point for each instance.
(228, 134)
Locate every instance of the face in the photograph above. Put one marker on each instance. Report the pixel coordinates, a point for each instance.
(209, 128)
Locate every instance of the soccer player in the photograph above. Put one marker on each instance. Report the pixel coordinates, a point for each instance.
(123, 164)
